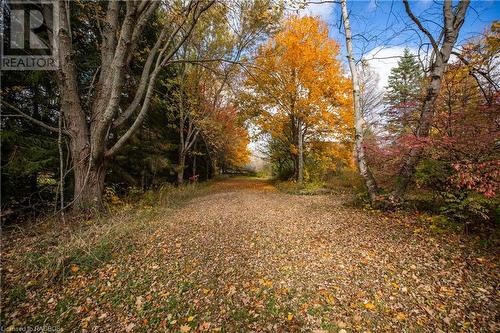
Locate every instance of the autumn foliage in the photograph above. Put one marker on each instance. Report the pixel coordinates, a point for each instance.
(460, 162)
(298, 96)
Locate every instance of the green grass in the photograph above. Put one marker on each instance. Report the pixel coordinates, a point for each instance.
(17, 294)
(308, 188)
(344, 181)
(44, 254)
(53, 248)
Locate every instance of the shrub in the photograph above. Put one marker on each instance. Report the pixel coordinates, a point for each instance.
(469, 208)
(433, 174)
(345, 178)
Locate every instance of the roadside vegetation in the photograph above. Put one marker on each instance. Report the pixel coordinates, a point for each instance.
(248, 166)
(238, 254)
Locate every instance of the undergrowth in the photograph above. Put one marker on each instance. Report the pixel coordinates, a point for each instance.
(48, 250)
(442, 211)
(343, 181)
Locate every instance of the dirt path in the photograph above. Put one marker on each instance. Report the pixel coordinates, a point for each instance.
(248, 258)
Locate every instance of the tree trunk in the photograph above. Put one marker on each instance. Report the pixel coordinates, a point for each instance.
(89, 186)
(143, 179)
(215, 168)
(300, 162)
(453, 21)
(194, 165)
(295, 161)
(180, 170)
(88, 128)
(88, 175)
(195, 149)
(364, 170)
(61, 168)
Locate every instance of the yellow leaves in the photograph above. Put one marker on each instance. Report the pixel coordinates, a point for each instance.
(111, 197)
(75, 268)
(401, 316)
(232, 291)
(266, 282)
(327, 296)
(205, 326)
(448, 291)
(297, 76)
(289, 317)
(418, 230)
(185, 328)
(369, 306)
(255, 290)
(327, 255)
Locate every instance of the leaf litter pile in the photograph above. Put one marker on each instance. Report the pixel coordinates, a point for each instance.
(246, 258)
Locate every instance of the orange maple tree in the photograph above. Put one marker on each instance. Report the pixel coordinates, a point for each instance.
(298, 92)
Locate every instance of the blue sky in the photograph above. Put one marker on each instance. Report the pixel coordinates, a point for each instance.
(384, 26)
(386, 29)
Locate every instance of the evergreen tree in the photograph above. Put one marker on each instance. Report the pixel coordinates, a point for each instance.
(402, 94)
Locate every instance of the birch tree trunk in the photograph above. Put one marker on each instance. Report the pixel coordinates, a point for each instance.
(364, 170)
(188, 131)
(194, 158)
(181, 166)
(453, 21)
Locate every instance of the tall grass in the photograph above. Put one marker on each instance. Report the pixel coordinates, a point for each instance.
(49, 250)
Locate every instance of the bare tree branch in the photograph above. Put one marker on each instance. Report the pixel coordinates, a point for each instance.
(477, 70)
(421, 27)
(34, 120)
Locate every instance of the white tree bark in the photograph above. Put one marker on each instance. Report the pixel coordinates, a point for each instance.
(365, 172)
(453, 21)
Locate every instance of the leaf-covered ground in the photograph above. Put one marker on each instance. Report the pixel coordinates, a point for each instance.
(247, 258)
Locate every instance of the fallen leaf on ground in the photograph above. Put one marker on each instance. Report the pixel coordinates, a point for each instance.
(370, 306)
(129, 327)
(205, 326)
(401, 316)
(185, 328)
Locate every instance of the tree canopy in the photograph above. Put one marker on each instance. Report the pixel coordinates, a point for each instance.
(298, 93)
